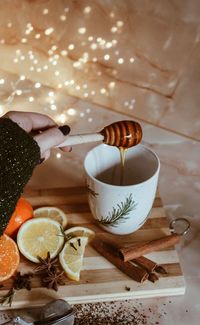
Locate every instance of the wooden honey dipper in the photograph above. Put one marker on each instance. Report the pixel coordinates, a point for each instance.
(124, 134)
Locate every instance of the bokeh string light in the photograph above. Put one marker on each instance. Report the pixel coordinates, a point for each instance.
(98, 50)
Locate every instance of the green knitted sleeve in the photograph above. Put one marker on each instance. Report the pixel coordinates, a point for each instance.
(19, 154)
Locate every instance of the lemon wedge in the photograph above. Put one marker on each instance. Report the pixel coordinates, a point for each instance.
(71, 257)
(52, 213)
(38, 236)
(79, 232)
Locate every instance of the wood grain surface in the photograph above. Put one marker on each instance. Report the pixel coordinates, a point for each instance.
(100, 280)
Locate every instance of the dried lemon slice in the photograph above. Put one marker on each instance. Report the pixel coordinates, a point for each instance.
(39, 236)
(79, 232)
(71, 257)
(52, 213)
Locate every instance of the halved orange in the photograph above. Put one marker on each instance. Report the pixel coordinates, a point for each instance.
(9, 257)
(23, 212)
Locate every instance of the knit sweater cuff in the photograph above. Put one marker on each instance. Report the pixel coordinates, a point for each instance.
(19, 154)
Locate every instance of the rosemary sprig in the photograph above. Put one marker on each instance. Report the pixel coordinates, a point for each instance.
(7, 299)
(119, 214)
(66, 237)
(19, 282)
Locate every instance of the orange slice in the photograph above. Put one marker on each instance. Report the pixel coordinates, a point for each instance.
(9, 257)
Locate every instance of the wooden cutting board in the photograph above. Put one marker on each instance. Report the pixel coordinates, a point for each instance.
(100, 280)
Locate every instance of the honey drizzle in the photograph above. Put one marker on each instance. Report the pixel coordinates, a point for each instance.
(122, 151)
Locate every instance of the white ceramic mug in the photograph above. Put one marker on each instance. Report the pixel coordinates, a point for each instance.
(121, 209)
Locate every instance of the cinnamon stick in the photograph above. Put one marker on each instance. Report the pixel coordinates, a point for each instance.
(137, 250)
(111, 254)
(146, 263)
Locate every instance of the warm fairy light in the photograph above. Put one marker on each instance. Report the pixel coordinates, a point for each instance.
(31, 69)
(45, 11)
(82, 114)
(94, 59)
(126, 103)
(35, 61)
(85, 86)
(61, 118)
(72, 82)
(106, 57)
(37, 36)
(114, 42)
(58, 155)
(24, 40)
(85, 95)
(22, 77)
(63, 52)
(102, 42)
(15, 60)
(53, 107)
(120, 61)
(63, 17)
(51, 94)
(78, 87)
(111, 84)
(120, 23)
(66, 9)
(90, 119)
(60, 86)
(18, 51)
(108, 45)
(131, 60)
(71, 47)
(82, 30)
(112, 15)
(66, 83)
(90, 38)
(45, 67)
(102, 90)
(38, 69)
(88, 110)
(2, 81)
(31, 99)
(114, 29)
(85, 57)
(87, 10)
(54, 47)
(37, 85)
(71, 111)
(49, 31)
(2, 41)
(99, 73)
(22, 57)
(54, 62)
(93, 92)
(57, 73)
(18, 92)
(93, 46)
(9, 25)
(29, 29)
(77, 64)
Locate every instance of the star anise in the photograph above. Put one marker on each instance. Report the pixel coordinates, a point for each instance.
(51, 275)
(22, 281)
(53, 280)
(45, 264)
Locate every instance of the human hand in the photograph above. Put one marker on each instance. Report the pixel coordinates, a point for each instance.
(44, 130)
